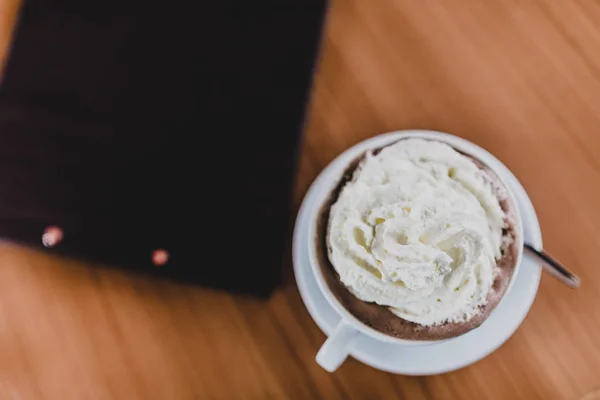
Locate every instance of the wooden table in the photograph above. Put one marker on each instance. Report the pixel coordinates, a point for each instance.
(519, 77)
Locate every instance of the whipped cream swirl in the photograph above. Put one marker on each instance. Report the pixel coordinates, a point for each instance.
(418, 229)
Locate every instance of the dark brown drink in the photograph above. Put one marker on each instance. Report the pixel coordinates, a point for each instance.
(380, 317)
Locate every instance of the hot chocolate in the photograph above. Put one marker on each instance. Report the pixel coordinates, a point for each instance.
(418, 241)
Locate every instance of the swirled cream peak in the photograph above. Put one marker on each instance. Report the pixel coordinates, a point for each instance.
(418, 228)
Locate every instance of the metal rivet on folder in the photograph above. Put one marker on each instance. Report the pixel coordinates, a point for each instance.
(52, 236)
(160, 257)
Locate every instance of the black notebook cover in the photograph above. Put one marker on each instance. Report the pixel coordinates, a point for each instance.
(136, 128)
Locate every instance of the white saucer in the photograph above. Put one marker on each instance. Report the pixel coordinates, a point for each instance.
(435, 358)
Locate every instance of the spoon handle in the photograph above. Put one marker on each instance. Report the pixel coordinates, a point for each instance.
(553, 266)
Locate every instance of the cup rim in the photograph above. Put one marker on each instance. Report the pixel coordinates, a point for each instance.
(330, 176)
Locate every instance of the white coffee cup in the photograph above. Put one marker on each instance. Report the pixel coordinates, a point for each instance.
(337, 346)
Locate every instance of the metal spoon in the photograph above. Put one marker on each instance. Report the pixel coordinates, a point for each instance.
(555, 268)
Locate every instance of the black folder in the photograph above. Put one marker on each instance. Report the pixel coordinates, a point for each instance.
(136, 126)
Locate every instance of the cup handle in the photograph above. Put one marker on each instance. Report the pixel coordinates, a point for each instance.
(335, 349)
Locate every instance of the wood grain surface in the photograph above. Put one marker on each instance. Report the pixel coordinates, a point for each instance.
(518, 77)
